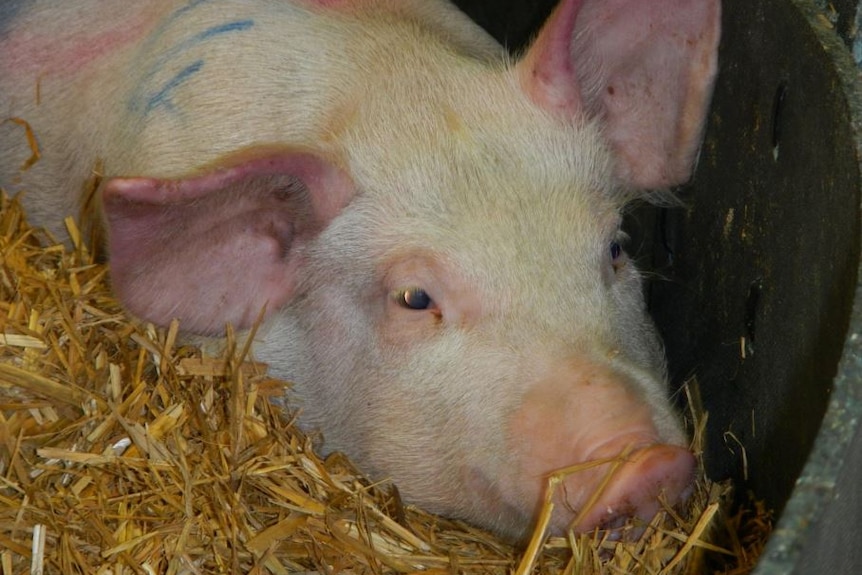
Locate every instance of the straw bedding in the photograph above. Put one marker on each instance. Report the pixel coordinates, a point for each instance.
(124, 450)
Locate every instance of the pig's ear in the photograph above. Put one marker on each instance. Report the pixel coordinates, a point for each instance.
(646, 67)
(221, 246)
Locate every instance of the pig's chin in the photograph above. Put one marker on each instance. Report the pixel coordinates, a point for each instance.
(493, 511)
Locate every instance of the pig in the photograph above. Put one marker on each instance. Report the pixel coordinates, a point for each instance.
(426, 229)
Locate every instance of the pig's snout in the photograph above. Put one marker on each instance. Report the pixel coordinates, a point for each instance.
(632, 486)
(621, 452)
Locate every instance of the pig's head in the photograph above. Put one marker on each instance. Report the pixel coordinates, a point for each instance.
(441, 272)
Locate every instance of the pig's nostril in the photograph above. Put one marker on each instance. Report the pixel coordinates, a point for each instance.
(622, 528)
(616, 521)
(627, 522)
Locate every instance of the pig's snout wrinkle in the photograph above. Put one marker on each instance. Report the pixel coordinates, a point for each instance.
(634, 485)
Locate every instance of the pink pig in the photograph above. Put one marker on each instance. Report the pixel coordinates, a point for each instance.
(430, 230)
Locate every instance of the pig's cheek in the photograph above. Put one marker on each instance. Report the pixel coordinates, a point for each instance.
(335, 324)
(637, 338)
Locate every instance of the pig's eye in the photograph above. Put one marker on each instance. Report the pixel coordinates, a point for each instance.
(413, 298)
(618, 255)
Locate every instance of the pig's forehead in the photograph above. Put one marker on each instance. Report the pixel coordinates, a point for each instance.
(465, 129)
(467, 156)
(508, 226)
(535, 176)
(509, 156)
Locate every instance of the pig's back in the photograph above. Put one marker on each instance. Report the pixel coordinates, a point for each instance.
(162, 89)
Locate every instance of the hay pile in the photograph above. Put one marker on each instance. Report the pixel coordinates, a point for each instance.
(124, 451)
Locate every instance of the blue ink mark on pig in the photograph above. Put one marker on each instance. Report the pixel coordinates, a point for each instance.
(224, 28)
(8, 10)
(188, 8)
(162, 97)
(147, 101)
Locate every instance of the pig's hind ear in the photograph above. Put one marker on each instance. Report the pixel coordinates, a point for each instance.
(645, 67)
(222, 246)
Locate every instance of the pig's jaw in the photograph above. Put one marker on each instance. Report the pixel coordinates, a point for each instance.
(492, 508)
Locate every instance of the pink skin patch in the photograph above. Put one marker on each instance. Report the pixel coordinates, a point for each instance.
(66, 49)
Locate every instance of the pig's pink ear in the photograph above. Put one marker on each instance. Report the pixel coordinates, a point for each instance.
(646, 67)
(547, 70)
(219, 247)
